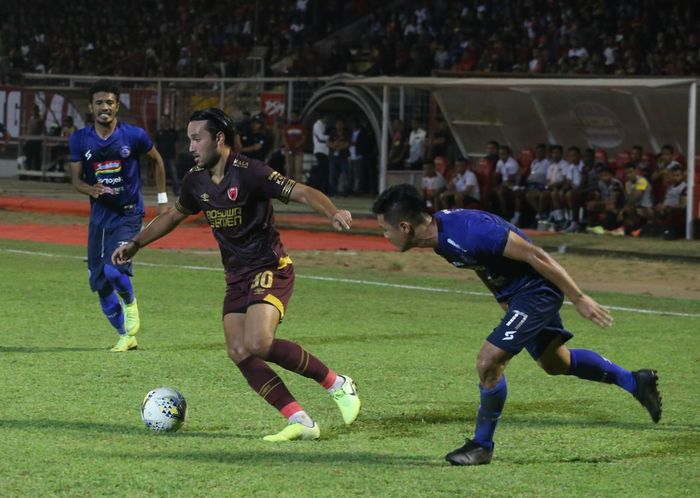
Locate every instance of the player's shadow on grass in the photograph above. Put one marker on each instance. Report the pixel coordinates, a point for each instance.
(37, 349)
(129, 429)
(280, 455)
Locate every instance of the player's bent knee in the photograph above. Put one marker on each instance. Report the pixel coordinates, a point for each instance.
(238, 353)
(258, 345)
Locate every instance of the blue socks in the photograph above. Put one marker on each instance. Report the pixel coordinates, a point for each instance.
(590, 365)
(121, 283)
(113, 311)
(492, 401)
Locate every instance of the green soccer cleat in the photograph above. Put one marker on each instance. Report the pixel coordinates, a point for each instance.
(124, 344)
(132, 322)
(295, 431)
(347, 400)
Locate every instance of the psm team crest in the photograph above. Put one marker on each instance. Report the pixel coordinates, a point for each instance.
(125, 151)
(233, 193)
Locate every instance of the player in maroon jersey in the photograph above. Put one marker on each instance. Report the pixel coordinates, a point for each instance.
(235, 193)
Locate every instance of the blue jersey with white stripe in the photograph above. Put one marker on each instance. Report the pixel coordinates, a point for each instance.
(475, 240)
(113, 162)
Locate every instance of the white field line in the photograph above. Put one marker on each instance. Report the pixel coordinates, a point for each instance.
(356, 282)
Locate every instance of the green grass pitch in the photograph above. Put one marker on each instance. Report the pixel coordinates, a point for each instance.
(70, 422)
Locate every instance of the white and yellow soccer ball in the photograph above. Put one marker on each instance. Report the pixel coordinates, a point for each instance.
(164, 409)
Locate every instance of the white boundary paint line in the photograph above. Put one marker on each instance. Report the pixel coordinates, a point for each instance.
(354, 281)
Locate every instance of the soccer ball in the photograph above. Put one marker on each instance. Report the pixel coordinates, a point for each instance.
(164, 410)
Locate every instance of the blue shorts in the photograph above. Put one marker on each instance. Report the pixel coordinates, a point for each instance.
(101, 244)
(531, 322)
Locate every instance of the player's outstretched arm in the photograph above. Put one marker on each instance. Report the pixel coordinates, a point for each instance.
(161, 225)
(319, 202)
(521, 250)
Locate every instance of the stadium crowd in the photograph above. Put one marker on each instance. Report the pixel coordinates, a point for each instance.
(414, 37)
(552, 188)
(150, 38)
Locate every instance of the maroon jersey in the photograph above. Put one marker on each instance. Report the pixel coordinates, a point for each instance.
(239, 210)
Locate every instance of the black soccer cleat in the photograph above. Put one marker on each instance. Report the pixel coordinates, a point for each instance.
(647, 392)
(470, 454)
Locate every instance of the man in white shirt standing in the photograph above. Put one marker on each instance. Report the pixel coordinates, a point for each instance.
(507, 169)
(416, 145)
(318, 176)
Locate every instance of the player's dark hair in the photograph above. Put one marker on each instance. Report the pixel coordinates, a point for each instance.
(556, 147)
(668, 147)
(606, 169)
(106, 86)
(401, 203)
(493, 142)
(541, 146)
(217, 121)
(631, 165)
(638, 147)
(574, 148)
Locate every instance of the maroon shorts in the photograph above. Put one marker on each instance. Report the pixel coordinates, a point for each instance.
(273, 286)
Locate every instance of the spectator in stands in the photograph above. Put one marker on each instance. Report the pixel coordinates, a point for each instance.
(664, 163)
(432, 185)
(32, 147)
(339, 145)
(556, 178)
(416, 145)
(318, 177)
(463, 188)
(398, 149)
(59, 152)
(257, 143)
(360, 148)
(5, 137)
(166, 143)
(439, 142)
(638, 208)
(507, 181)
(643, 166)
(605, 202)
(276, 159)
(574, 189)
(492, 152)
(536, 183)
(669, 215)
(293, 140)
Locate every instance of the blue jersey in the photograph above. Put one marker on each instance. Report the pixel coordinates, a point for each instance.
(474, 239)
(115, 164)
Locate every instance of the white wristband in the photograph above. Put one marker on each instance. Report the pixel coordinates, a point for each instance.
(162, 198)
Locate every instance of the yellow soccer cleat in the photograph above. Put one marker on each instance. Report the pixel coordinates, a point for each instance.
(132, 322)
(347, 400)
(124, 344)
(295, 431)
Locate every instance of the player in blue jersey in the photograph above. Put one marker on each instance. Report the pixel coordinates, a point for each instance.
(529, 285)
(105, 165)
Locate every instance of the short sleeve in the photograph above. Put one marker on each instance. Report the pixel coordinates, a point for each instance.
(187, 203)
(271, 183)
(74, 147)
(143, 141)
